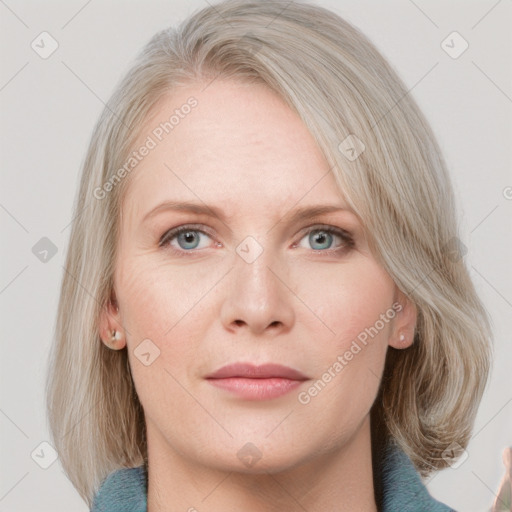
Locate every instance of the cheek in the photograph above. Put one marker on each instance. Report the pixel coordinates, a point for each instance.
(145, 303)
(164, 303)
(349, 361)
(348, 299)
(154, 295)
(154, 302)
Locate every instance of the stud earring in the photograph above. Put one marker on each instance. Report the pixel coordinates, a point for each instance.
(401, 337)
(114, 337)
(110, 338)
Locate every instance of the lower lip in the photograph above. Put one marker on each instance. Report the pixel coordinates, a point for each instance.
(256, 389)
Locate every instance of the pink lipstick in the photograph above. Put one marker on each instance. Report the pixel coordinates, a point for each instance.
(257, 382)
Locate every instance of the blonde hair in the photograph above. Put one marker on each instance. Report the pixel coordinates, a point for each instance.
(340, 85)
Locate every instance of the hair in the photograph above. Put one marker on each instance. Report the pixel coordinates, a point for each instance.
(328, 72)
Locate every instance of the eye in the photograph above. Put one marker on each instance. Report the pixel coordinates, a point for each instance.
(187, 237)
(321, 238)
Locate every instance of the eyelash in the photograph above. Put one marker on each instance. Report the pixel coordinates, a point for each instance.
(347, 244)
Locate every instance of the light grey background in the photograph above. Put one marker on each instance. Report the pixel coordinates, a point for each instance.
(49, 107)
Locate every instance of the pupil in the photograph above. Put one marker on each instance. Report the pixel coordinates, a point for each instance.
(321, 237)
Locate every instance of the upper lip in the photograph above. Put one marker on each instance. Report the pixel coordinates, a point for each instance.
(250, 371)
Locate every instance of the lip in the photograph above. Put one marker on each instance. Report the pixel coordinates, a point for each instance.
(252, 382)
(251, 371)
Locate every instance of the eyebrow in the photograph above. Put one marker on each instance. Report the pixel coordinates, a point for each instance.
(213, 211)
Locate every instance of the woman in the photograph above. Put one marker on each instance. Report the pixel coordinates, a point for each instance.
(264, 306)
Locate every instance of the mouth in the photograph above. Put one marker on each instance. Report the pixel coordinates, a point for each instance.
(252, 382)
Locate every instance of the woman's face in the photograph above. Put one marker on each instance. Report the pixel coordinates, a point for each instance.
(256, 285)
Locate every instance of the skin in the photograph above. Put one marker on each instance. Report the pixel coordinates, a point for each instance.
(299, 303)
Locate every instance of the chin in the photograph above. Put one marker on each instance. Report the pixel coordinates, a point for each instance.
(260, 456)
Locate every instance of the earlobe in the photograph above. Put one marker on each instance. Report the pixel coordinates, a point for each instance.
(402, 335)
(111, 330)
(403, 340)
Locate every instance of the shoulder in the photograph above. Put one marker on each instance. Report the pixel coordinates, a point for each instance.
(124, 490)
(403, 489)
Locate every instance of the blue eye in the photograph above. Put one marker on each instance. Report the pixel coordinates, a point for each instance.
(187, 237)
(321, 238)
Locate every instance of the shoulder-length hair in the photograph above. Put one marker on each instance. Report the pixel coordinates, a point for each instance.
(349, 97)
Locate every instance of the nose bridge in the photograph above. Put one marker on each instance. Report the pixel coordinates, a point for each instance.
(256, 295)
(253, 274)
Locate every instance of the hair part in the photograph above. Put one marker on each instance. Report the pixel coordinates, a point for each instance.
(328, 72)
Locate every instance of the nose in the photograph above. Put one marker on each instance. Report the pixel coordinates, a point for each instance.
(258, 298)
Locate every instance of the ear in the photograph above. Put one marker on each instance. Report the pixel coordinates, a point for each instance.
(404, 323)
(110, 322)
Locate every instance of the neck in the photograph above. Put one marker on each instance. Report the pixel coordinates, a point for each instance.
(340, 479)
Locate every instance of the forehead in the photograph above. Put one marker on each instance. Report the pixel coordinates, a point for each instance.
(240, 145)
